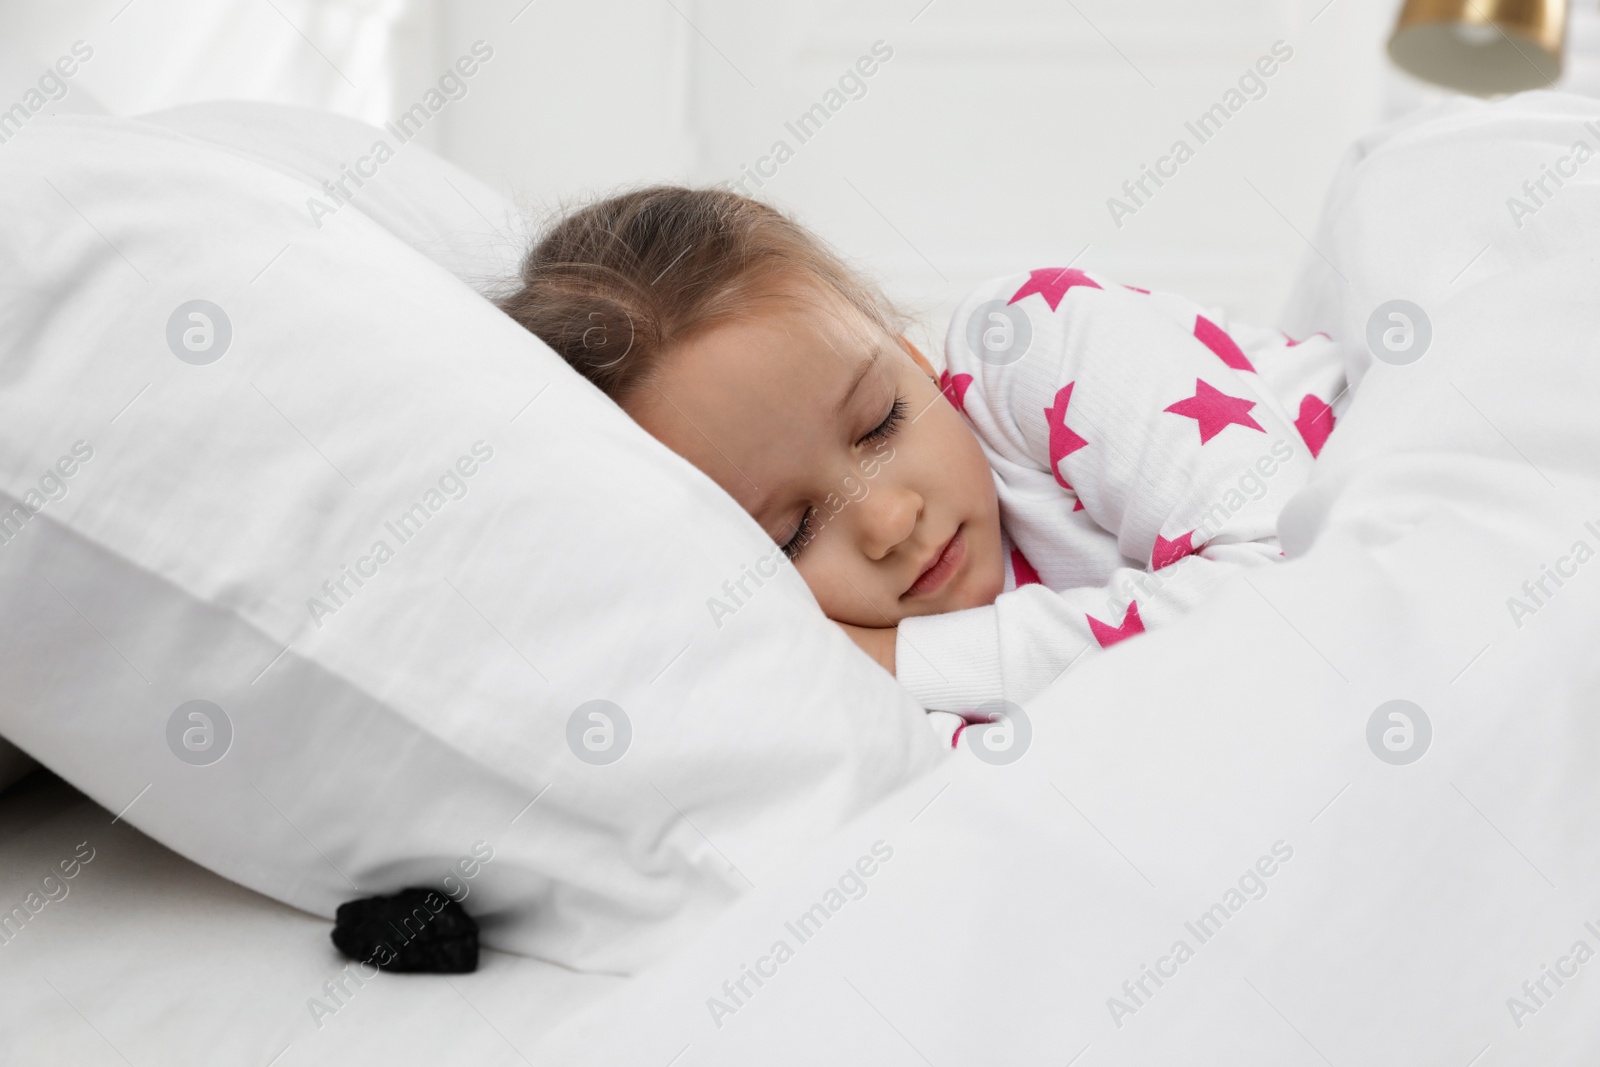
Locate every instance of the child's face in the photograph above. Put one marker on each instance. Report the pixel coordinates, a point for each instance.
(864, 486)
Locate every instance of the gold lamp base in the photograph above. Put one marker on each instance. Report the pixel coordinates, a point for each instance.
(1481, 47)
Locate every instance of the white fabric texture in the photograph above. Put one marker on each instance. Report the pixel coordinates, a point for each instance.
(1142, 447)
(1371, 912)
(18, 74)
(212, 538)
(447, 215)
(172, 965)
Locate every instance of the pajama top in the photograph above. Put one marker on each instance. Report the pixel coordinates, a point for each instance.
(1142, 447)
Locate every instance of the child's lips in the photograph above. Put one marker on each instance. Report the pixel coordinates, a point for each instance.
(938, 573)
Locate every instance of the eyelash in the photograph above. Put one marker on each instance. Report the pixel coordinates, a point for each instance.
(890, 423)
(884, 430)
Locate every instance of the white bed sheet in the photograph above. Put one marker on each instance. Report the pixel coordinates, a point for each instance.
(151, 959)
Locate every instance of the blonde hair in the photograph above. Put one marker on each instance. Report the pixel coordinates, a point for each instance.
(615, 284)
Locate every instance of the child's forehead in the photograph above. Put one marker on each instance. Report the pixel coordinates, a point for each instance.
(816, 300)
(785, 358)
(824, 330)
(822, 357)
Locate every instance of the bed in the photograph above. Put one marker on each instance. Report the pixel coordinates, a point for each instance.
(1346, 813)
(150, 958)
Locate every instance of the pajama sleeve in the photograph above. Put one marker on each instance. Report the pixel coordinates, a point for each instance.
(1141, 453)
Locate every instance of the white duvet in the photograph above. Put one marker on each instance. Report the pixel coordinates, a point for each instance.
(1226, 844)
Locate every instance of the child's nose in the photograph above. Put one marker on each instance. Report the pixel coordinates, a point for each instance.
(888, 516)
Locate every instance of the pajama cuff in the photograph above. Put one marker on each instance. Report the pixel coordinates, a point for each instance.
(950, 661)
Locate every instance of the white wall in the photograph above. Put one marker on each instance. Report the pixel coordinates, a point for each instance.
(150, 54)
(579, 96)
(989, 143)
(994, 138)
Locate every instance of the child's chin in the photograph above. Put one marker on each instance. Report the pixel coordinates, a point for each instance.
(977, 591)
(957, 601)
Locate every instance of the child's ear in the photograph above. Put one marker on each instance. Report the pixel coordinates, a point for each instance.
(920, 359)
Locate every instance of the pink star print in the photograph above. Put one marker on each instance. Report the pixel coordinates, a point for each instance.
(1136, 289)
(1216, 338)
(968, 718)
(954, 387)
(1063, 442)
(1315, 422)
(1023, 570)
(1167, 552)
(1109, 635)
(1052, 283)
(1293, 342)
(1214, 411)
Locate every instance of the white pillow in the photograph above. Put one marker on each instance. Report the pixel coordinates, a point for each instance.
(1377, 242)
(442, 212)
(183, 518)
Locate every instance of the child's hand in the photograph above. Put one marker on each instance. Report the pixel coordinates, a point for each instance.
(877, 643)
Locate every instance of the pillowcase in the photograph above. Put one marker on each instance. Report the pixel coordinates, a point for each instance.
(333, 579)
(1378, 243)
(441, 211)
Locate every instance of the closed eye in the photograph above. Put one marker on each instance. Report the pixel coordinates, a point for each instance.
(884, 430)
(890, 423)
(802, 534)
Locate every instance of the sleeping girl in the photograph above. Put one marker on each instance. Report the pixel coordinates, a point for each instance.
(1093, 461)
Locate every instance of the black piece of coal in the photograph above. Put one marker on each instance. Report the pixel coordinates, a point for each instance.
(416, 930)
